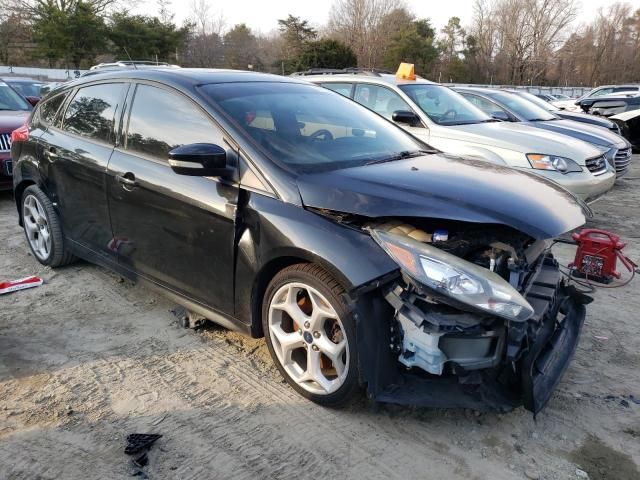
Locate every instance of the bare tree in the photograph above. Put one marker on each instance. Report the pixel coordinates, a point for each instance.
(360, 25)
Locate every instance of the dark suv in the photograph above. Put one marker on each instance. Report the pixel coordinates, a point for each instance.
(279, 208)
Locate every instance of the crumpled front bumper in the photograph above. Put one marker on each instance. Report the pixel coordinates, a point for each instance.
(536, 354)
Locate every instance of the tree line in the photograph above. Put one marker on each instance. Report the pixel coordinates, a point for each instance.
(507, 41)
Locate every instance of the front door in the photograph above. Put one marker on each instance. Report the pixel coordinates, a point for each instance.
(177, 231)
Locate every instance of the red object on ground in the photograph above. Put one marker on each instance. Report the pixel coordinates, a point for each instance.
(21, 284)
(597, 254)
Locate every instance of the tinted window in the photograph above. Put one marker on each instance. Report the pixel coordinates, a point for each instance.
(92, 111)
(483, 104)
(28, 89)
(308, 128)
(379, 99)
(341, 88)
(525, 109)
(161, 121)
(444, 106)
(48, 110)
(604, 91)
(11, 100)
(625, 89)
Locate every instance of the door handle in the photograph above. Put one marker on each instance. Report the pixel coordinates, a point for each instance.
(127, 180)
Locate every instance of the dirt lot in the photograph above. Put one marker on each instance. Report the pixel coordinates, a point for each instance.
(88, 358)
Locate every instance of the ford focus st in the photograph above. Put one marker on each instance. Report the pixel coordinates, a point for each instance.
(280, 209)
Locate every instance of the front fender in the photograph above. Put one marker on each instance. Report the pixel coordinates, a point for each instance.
(272, 234)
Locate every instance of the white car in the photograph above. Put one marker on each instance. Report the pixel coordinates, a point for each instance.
(445, 120)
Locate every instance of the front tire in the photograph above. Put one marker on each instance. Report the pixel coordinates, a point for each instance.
(310, 334)
(42, 229)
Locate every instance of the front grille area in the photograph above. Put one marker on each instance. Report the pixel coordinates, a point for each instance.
(622, 161)
(5, 142)
(597, 165)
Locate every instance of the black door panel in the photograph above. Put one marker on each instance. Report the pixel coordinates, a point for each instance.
(180, 236)
(175, 230)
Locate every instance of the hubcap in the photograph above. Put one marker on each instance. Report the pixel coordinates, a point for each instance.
(301, 317)
(37, 227)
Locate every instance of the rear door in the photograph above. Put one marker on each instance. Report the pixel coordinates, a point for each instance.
(76, 152)
(177, 231)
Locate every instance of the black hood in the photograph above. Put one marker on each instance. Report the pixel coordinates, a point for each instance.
(441, 186)
(582, 131)
(585, 118)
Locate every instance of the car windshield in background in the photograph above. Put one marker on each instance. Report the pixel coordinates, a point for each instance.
(538, 101)
(444, 106)
(309, 128)
(28, 89)
(521, 107)
(10, 100)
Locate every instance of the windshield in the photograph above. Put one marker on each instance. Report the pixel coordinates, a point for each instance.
(10, 100)
(443, 105)
(521, 107)
(27, 89)
(538, 101)
(310, 128)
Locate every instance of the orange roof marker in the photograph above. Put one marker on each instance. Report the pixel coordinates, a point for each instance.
(406, 71)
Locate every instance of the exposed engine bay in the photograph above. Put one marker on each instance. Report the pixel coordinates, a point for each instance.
(487, 357)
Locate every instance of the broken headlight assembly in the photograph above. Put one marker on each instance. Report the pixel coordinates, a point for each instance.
(540, 161)
(453, 277)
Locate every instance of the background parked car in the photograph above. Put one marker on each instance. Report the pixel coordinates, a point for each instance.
(568, 115)
(629, 123)
(447, 121)
(574, 105)
(511, 107)
(14, 110)
(609, 105)
(27, 87)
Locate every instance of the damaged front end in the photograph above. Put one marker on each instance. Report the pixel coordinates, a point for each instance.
(480, 319)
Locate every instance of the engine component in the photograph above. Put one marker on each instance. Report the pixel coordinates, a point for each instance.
(398, 227)
(419, 348)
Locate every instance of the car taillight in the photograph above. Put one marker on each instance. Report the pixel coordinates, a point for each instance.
(20, 134)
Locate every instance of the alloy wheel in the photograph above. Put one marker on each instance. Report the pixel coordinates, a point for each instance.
(37, 227)
(308, 338)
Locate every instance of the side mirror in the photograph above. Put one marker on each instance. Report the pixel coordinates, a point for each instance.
(199, 160)
(33, 100)
(500, 115)
(406, 117)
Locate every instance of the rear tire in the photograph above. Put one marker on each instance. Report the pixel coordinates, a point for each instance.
(42, 229)
(310, 333)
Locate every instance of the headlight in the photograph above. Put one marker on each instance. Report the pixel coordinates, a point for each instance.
(540, 161)
(453, 277)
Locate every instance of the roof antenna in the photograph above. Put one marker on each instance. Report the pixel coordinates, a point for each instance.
(130, 59)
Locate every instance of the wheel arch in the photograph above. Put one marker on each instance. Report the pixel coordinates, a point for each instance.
(271, 268)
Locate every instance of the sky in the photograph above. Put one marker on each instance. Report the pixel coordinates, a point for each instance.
(262, 15)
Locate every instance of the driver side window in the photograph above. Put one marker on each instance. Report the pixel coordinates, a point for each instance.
(380, 99)
(483, 104)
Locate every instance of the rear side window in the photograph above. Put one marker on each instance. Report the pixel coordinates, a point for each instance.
(161, 121)
(92, 111)
(341, 88)
(48, 110)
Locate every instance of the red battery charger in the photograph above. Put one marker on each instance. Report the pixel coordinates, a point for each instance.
(597, 255)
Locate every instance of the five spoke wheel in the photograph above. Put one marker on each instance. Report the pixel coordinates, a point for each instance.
(308, 338)
(37, 227)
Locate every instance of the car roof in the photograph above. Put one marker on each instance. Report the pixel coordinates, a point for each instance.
(21, 79)
(186, 77)
(377, 78)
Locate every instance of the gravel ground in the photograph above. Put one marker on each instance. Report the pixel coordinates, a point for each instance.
(88, 358)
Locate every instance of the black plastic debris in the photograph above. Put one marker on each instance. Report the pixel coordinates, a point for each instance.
(139, 442)
(141, 461)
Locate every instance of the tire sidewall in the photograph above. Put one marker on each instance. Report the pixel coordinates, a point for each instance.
(351, 383)
(56, 238)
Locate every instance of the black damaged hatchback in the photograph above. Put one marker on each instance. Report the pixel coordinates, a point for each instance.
(274, 207)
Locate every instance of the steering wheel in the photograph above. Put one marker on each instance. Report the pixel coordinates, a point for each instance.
(322, 135)
(451, 112)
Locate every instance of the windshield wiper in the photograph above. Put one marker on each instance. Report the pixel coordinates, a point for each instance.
(400, 156)
(540, 119)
